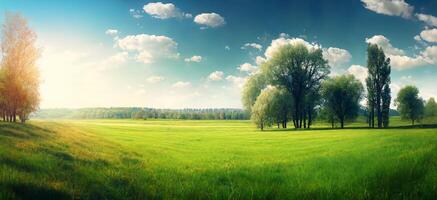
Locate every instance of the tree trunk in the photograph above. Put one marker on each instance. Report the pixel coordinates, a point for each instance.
(342, 122)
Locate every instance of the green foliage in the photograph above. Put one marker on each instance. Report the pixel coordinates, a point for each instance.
(409, 104)
(378, 86)
(164, 159)
(431, 108)
(342, 95)
(273, 106)
(299, 71)
(141, 113)
(251, 90)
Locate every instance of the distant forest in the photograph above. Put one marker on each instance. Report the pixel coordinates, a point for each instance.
(151, 113)
(142, 113)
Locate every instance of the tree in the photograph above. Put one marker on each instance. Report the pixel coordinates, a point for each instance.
(378, 86)
(271, 107)
(300, 71)
(251, 90)
(19, 74)
(431, 108)
(409, 104)
(342, 95)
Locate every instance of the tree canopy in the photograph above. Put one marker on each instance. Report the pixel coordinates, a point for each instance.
(342, 95)
(19, 75)
(409, 104)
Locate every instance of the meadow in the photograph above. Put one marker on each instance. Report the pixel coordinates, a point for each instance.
(170, 159)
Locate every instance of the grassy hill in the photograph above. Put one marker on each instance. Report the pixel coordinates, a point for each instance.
(169, 159)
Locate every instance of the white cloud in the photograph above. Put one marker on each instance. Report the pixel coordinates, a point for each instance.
(111, 32)
(252, 45)
(236, 80)
(405, 62)
(384, 43)
(282, 41)
(389, 7)
(135, 13)
(429, 35)
(149, 47)
(259, 60)
(227, 48)
(359, 72)
(194, 58)
(210, 19)
(216, 76)
(430, 54)
(247, 67)
(428, 19)
(336, 57)
(119, 58)
(417, 38)
(164, 11)
(155, 79)
(181, 84)
(398, 59)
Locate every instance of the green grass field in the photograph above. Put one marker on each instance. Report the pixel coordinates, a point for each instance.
(145, 159)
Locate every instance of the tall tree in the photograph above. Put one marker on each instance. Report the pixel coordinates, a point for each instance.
(378, 85)
(342, 95)
(273, 106)
(431, 108)
(409, 104)
(251, 90)
(300, 71)
(20, 76)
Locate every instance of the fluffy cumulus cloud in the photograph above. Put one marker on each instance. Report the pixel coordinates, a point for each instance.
(164, 11)
(390, 7)
(429, 35)
(247, 67)
(181, 84)
(385, 44)
(119, 58)
(237, 81)
(336, 57)
(194, 58)
(397, 56)
(430, 54)
(216, 76)
(135, 13)
(359, 72)
(155, 79)
(428, 19)
(282, 41)
(149, 47)
(111, 32)
(210, 20)
(252, 45)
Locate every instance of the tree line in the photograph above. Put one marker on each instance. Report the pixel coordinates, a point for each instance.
(294, 86)
(19, 76)
(142, 113)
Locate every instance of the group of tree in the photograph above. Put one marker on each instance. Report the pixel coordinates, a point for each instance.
(142, 113)
(294, 86)
(19, 76)
(289, 83)
(412, 107)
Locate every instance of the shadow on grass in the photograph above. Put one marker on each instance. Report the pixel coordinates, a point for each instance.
(29, 191)
(23, 131)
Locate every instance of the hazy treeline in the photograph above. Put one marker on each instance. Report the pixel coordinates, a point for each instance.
(19, 76)
(142, 113)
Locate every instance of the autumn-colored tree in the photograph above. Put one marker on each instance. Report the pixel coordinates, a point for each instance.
(19, 76)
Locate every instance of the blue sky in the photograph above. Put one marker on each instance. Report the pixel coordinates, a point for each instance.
(175, 54)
